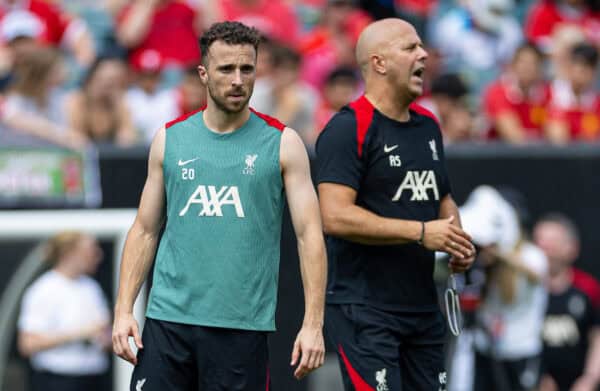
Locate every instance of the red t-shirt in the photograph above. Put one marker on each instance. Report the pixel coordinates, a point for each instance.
(172, 33)
(504, 96)
(582, 117)
(274, 18)
(45, 20)
(545, 16)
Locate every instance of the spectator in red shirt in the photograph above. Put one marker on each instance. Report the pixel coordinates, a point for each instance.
(274, 18)
(575, 106)
(515, 104)
(546, 15)
(47, 24)
(170, 27)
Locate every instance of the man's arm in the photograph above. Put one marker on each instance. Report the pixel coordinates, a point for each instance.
(509, 128)
(591, 375)
(139, 250)
(448, 209)
(343, 218)
(133, 29)
(304, 210)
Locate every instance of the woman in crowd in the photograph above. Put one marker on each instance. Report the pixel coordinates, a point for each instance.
(64, 324)
(98, 110)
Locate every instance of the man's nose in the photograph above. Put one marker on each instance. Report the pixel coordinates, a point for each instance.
(237, 78)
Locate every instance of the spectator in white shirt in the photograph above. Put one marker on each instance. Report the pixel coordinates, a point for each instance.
(64, 324)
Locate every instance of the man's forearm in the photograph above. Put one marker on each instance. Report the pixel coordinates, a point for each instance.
(360, 225)
(449, 208)
(138, 254)
(313, 267)
(592, 364)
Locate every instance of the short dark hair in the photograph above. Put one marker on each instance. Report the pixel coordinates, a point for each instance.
(585, 53)
(450, 85)
(342, 74)
(283, 55)
(232, 33)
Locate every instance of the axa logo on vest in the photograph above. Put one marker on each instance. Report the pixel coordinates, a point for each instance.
(419, 182)
(211, 201)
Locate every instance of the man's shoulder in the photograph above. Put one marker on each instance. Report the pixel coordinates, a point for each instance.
(357, 116)
(588, 284)
(185, 117)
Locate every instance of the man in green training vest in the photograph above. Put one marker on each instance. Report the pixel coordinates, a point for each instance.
(217, 179)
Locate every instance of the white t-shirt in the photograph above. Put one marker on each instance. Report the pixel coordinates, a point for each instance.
(57, 304)
(517, 326)
(151, 111)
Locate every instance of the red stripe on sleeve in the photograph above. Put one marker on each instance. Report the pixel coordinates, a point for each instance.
(273, 122)
(423, 111)
(588, 285)
(357, 381)
(363, 109)
(183, 117)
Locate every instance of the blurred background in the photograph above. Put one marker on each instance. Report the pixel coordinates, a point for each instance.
(84, 84)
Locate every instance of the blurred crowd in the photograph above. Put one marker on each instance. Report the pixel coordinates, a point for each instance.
(80, 72)
(531, 319)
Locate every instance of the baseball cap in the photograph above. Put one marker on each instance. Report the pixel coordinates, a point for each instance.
(18, 24)
(490, 219)
(148, 61)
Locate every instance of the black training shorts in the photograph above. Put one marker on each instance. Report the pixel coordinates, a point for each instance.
(180, 357)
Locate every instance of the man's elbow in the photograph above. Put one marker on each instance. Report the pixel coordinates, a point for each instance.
(24, 346)
(332, 223)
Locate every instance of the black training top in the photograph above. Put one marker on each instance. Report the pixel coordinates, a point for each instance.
(570, 317)
(398, 171)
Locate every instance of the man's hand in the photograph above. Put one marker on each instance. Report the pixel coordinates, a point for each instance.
(126, 326)
(309, 348)
(584, 383)
(547, 383)
(442, 235)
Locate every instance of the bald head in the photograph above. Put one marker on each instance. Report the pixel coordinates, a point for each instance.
(376, 37)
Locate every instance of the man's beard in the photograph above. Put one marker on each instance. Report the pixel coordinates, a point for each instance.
(222, 104)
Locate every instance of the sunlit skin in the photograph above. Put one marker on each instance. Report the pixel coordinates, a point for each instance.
(582, 76)
(526, 67)
(229, 74)
(391, 54)
(85, 256)
(560, 248)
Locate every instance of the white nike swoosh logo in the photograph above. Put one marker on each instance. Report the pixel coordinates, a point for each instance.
(387, 149)
(183, 163)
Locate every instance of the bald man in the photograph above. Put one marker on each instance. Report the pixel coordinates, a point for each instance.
(386, 206)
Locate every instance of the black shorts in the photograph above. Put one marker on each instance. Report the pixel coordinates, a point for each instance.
(515, 375)
(48, 381)
(388, 351)
(180, 357)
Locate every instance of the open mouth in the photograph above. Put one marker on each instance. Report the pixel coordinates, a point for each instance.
(419, 72)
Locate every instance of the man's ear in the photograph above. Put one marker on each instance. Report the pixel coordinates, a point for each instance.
(378, 63)
(202, 72)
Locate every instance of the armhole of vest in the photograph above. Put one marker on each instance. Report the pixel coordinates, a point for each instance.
(363, 113)
(183, 117)
(271, 121)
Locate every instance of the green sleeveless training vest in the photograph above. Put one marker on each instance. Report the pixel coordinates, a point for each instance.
(217, 263)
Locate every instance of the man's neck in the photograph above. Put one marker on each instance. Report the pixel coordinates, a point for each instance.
(221, 122)
(389, 104)
(560, 281)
